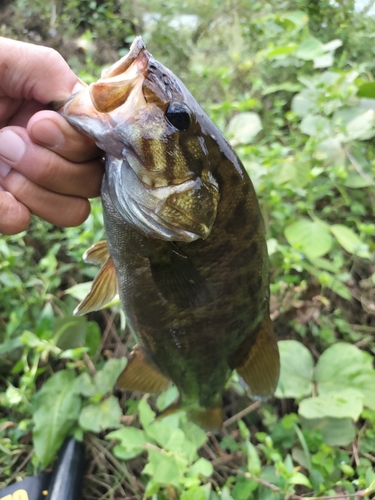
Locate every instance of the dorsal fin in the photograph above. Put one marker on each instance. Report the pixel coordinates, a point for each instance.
(105, 285)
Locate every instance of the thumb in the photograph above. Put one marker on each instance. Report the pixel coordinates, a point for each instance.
(34, 72)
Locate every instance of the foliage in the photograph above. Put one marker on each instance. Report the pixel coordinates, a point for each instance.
(290, 83)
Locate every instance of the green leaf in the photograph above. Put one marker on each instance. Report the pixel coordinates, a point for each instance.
(324, 61)
(97, 417)
(244, 127)
(335, 431)
(253, 460)
(106, 378)
(310, 49)
(367, 90)
(312, 238)
(294, 172)
(344, 366)
(132, 442)
(330, 152)
(166, 398)
(296, 372)
(286, 87)
(201, 467)
(146, 415)
(198, 494)
(71, 331)
(344, 404)
(299, 478)
(349, 240)
(316, 126)
(332, 45)
(79, 291)
(58, 405)
(164, 468)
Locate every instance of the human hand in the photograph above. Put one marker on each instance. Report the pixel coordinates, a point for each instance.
(46, 167)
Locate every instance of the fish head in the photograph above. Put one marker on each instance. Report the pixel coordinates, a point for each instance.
(160, 165)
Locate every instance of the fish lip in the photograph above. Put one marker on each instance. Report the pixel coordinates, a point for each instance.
(136, 48)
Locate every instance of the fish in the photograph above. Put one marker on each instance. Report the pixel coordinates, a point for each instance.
(186, 247)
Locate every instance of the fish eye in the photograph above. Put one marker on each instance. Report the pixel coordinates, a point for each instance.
(179, 115)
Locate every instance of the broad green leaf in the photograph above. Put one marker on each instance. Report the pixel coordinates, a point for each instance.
(243, 488)
(330, 152)
(164, 468)
(332, 45)
(296, 372)
(146, 415)
(316, 126)
(132, 442)
(361, 127)
(130, 437)
(71, 331)
(244, 127)
(344, 404)
(281, 52)
(79, 291)
(201, 467)
(367, 90)
(344, 366)
(294, 172)
(349, 240)
(312, 238)
(299, 478)
(105, 379)
(57, 409)
(97, 417)
(324, 61)
(359, 169)
(198, 494)
(167, 397)
(335, 431)
(297, 17)
(310, 49)
(304, 102)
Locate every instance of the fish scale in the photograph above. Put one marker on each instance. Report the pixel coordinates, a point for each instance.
(186, 240)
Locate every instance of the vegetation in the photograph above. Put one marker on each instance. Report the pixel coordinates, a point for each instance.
(291, 85)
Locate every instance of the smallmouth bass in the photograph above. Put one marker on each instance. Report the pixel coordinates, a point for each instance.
(186, 240)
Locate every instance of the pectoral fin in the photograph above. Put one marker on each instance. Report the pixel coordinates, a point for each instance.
(261, 367)
(177, 278)
(103, 289)
(97, 253)
(141, 375)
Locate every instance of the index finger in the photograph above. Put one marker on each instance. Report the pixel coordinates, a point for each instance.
(51, 130)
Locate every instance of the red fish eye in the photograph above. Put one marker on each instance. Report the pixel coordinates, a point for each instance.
(178, 115)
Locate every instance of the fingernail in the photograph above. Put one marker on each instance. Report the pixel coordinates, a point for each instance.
(46, 132)
(12, 147)
(4, 169)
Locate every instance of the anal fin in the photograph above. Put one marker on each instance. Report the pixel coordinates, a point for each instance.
(260, 368)
(141, 375)
(210, 419)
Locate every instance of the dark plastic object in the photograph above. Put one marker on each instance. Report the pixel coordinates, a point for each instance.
(31, 488)
(64, 483)
(67, 477)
